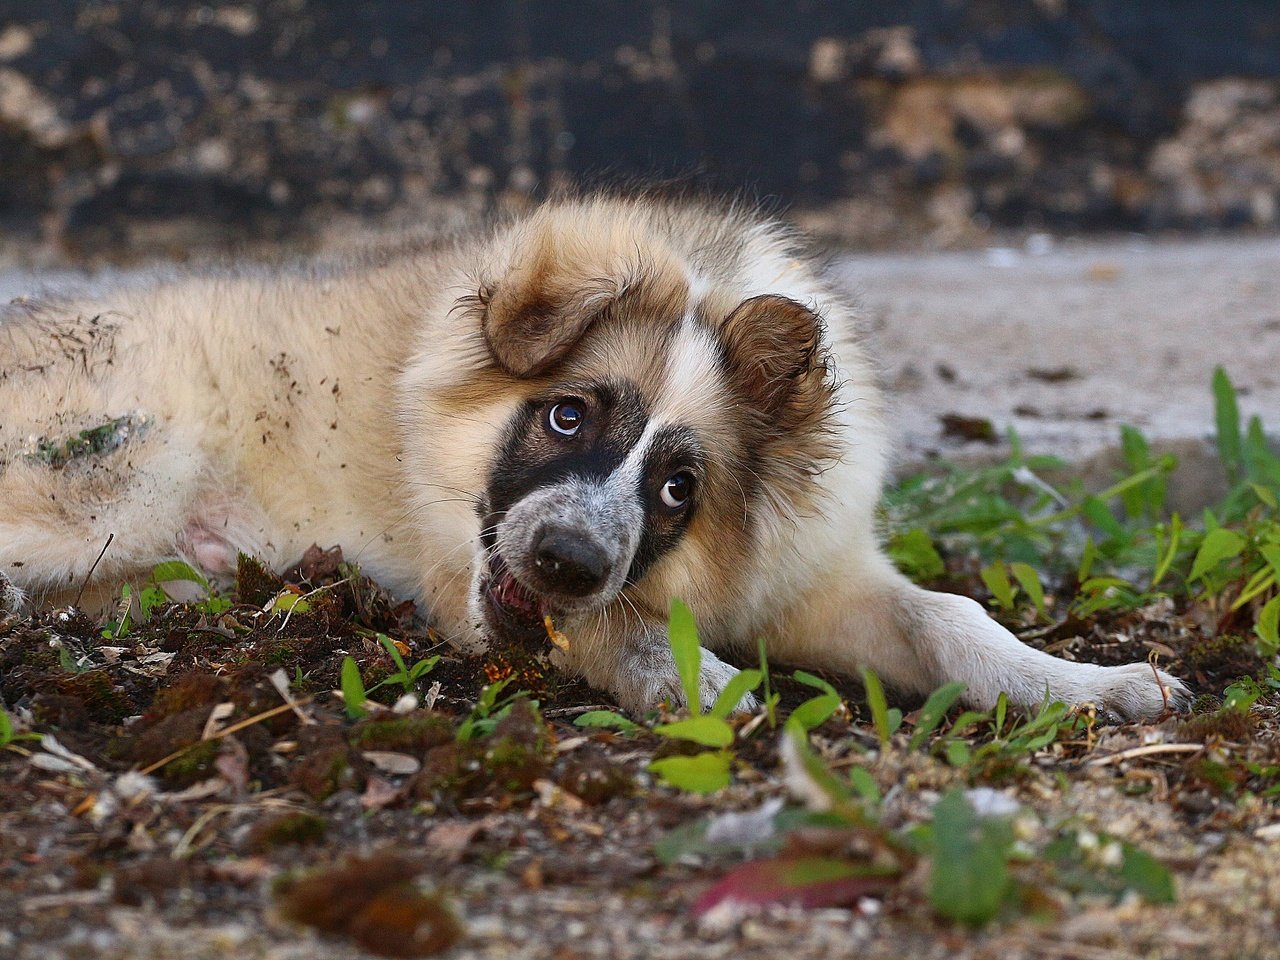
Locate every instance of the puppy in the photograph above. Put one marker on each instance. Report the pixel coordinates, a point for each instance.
(581, 413)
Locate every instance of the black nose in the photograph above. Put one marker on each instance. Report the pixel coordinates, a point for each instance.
(570, 563)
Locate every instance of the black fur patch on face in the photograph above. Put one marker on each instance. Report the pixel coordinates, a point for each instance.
(533, 455)
(615, 414)
(672, 450)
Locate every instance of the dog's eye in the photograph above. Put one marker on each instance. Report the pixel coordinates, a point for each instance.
(678, 489)
(566, 418)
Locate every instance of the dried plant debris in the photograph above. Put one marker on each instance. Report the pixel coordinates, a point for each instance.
(99, 440)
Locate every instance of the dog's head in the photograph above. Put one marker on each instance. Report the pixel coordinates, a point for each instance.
(667, 413)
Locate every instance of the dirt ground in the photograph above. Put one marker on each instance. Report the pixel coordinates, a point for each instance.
(542, 839)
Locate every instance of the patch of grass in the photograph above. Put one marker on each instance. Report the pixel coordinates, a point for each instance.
(1045, 554)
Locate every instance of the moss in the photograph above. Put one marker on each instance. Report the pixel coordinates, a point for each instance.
(41, 657)
(255, 584)
(1224, 655)
(373, 901)
(188, 692)
(192, 766)
(325, 763)
(104, 701)
(519, 752)
(161, 738)
(1226, 724)
(1206, 703)
(287, 829)
(59, 712)
(404, 921)
(446, 772)
(413, 733)
(506, 763)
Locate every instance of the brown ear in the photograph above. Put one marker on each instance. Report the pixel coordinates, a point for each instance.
(568, 266)
(537, 312)
(774, 350)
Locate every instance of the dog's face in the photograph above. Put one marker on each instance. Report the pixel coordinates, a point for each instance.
(589, 490)
(661, 423)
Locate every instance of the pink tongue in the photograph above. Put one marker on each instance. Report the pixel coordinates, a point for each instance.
(512, 594)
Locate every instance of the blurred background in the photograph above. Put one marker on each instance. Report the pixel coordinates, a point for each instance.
(167, 128)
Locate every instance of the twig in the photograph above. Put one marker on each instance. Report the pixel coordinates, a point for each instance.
(280, 680)
(571, 711)
(1149, 750)
(225, 732)
(1152, 657)
(183, 847)
(85, 582)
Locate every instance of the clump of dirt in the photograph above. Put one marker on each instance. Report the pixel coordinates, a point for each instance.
(296, 828)
(501, 767)
(374, 901)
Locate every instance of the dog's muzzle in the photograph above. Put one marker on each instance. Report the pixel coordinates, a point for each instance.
(564, 550)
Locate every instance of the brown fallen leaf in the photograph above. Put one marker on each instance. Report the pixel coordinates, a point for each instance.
(448, 841)
(557, 638)
(379, 793)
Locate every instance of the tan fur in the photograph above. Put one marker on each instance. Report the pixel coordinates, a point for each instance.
(361, 403)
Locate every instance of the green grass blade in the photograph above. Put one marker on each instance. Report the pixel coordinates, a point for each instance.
(685, 649)
(1218, 547)
(934, 709)
(1268, 628)
(878, 704)
(1029, 580)
(706, 730)
(353, 692)
(1227, 416)
(389, 645)
(996, 577)
(177, 570)
(738, 686)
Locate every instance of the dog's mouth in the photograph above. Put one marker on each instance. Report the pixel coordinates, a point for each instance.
(518, 612)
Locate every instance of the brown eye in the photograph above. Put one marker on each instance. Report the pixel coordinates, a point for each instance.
(566, 417)
(677, 490)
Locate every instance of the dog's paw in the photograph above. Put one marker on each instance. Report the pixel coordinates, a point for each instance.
(648, 682)
(1132, 692)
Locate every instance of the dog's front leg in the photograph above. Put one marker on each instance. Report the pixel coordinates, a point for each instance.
(639, 671)
(916, 640)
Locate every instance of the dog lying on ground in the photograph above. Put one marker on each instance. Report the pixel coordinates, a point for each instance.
(584, 412)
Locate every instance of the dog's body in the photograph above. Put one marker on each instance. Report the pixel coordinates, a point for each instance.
(585, 412)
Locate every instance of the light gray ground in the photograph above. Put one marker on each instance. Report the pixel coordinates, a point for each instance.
(1134, 328)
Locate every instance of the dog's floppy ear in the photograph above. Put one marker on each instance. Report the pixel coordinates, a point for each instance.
(539, 309)
(566, 268)
(775, 356)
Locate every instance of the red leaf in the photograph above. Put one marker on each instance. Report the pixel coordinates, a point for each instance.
(806, 882)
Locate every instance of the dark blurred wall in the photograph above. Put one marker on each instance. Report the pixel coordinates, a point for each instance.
(211, 122)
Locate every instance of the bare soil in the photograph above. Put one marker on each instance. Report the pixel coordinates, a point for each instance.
(538, 839)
